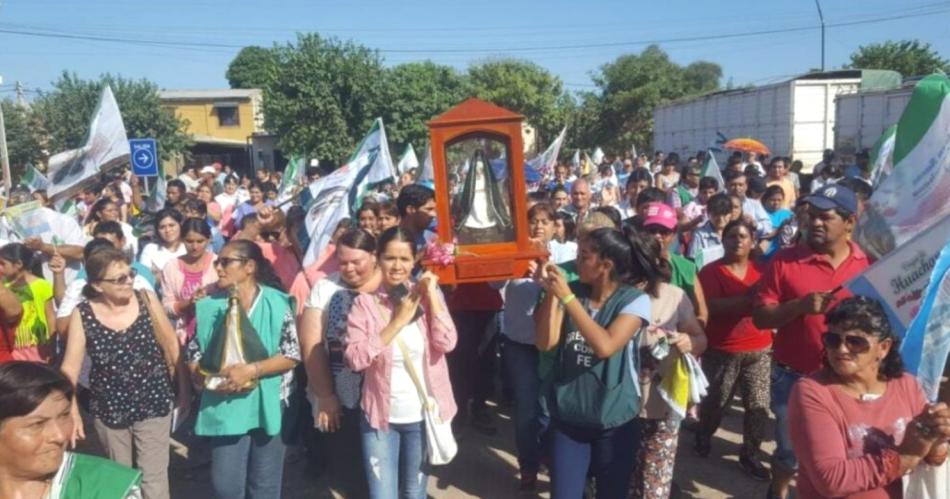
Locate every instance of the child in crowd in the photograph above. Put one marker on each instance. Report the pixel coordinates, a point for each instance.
(34, 338)
(606, 186)
(706, 244)
(694, 213)
(774, 202)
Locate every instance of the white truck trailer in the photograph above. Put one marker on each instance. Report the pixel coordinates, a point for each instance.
(862, 117)
(793, 118)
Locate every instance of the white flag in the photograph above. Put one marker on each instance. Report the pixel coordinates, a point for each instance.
(408, 160)
(106, 146)
(711, 169)
(337, 196)
(427, 174)
(34, 180)
(633, 152)
(545, 162)
(291, 179)
(597, 157)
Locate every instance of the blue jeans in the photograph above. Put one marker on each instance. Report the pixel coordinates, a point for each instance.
(520, 369)
(782, 382)
(394, 460)
(247, 466)
(608, 454)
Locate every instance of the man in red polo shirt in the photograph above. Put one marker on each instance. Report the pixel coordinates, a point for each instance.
(802, 283)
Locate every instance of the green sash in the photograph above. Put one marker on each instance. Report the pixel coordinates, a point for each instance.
(89, 477)
(584, 390)
(237, 414)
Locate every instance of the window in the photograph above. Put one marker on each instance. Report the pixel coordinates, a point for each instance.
(228, 116)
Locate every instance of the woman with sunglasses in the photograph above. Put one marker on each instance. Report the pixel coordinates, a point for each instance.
(244, 425)
(167, 245)
(861, 422)
(188, 278)
(738, 357)
(129, 343)
(396, 335)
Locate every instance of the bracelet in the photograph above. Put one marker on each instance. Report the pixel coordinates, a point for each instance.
(257, 370)
(567, 299)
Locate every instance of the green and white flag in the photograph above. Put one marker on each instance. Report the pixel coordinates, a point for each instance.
(157, 196)
(34, 180)
(914, 195)
(291, 179)
(711, 169)
(408, 161)
(338, 195)
(882, 156)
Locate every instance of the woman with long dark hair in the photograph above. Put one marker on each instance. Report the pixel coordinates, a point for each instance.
(242, 416)
(861, 422)
(107, 210)
(398, 336)
(167, 245)
(590, 391)
(189, 278)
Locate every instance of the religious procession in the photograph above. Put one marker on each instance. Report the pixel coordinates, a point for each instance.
(244, 293)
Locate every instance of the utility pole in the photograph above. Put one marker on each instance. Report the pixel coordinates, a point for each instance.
(4, 158)
(20, 100)
(821, 18)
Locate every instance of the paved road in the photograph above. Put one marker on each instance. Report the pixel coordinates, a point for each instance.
(486, 467)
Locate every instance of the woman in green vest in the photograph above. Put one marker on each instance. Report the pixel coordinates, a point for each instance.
(35, 429)
(242, 414)
(590, 392)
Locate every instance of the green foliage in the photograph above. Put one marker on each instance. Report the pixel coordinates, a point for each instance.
(65, 111)
(324, 97)
(253, 67)
(526, 88)
(620, 113)
(413, 94)
(907, 57)
(23, 144)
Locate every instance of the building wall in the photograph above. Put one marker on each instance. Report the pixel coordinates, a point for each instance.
(203, 119)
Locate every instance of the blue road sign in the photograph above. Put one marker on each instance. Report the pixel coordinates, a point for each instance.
(144, 157)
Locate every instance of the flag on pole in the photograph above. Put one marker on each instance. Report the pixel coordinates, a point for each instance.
(882, 156)
(106, 147)
(633, 152)
(34, 180)
(598, 157)
(587, 166)
(576, 162)
(927, 343)
(408, 161)
(291, 179)
(337, 196)
(711, 169)
(544, 163)
(914, 196)
(427, 174)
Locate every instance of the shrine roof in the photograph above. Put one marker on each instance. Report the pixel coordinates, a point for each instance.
(474, 110)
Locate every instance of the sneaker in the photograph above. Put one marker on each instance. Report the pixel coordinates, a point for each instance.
(703, 445)
(754, 468)
(529, 482)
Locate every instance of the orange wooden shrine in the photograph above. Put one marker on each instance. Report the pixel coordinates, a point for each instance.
(480, 193)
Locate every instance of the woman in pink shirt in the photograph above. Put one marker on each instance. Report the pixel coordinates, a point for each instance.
(861, 422)
(188, 278)
(400, 328)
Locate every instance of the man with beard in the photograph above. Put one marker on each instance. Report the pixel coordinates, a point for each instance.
(802, 283)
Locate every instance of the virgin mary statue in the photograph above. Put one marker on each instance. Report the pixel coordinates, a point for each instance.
(484, 216)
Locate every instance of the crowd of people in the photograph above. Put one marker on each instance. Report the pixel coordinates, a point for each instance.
(658, 280)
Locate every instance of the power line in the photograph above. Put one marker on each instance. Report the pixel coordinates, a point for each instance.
(722, 36)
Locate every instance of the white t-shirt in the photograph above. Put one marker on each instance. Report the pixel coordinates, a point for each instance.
(404, 404)
(156, 256)
(322, 291)
(226, 200)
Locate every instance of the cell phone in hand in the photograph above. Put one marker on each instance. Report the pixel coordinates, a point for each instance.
(397, 293)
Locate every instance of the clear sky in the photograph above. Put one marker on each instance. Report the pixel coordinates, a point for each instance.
(189, 43)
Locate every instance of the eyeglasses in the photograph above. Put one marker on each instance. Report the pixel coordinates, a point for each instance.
(224, 261)
(855, 343)
(658, 230)
(122, 279)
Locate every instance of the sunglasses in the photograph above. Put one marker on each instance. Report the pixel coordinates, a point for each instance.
(657, 229)
(122, 279)
(224, 261)
(855, 343)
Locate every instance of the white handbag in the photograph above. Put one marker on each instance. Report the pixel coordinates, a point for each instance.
(440, 442)
(928, 482)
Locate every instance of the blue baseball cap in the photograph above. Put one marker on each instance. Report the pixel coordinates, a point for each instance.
(834, 196)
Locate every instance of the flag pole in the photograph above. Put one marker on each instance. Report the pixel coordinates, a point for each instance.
(4, 158)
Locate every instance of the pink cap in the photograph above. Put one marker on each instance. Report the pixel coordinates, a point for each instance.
(660, 214)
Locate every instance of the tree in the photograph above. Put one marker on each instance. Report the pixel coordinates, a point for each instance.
(324, 96)
(252, 67)
(526, 88)
(23, 143)
(907, 57)
(629, 90)
(64, 113)
(413, 94)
